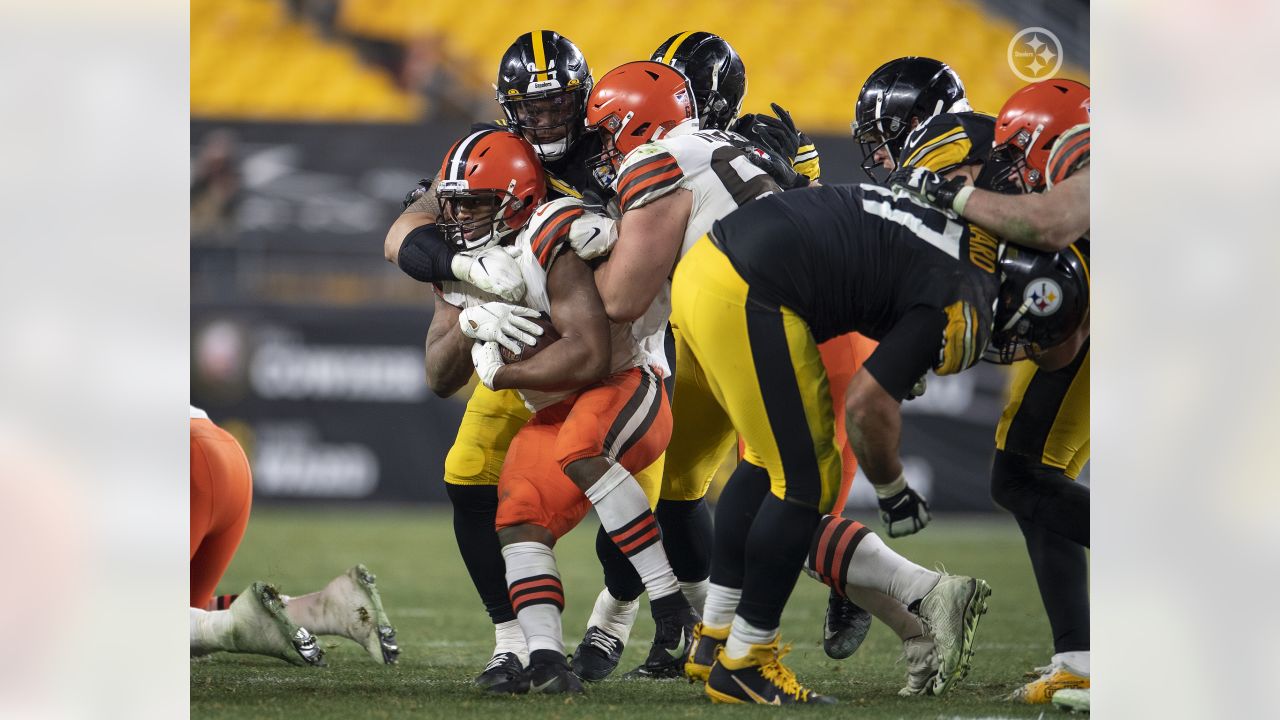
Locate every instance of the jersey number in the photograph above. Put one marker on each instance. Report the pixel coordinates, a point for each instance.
(744, 182)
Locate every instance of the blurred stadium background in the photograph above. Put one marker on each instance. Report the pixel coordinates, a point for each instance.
(312, 118)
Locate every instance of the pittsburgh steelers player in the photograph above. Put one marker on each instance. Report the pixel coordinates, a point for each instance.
(1042, 440)
(600, 413)
(873, 261)
(896, 98)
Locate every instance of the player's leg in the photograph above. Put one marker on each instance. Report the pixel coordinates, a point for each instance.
(538, 506)
(1042, 444)
(471, 473)
(221, 499)
(350, 606)
(614, 613)
(847, 623)
(763, 367)
(255, 623)
(627, 417)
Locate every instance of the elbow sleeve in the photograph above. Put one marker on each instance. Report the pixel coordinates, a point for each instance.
(426, 256)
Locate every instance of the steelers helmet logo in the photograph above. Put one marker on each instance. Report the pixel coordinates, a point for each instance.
(1042, 297)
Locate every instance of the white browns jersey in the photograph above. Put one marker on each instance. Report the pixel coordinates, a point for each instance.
(540, 242)
(721, 179)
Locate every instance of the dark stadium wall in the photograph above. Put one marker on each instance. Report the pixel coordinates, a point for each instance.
(307, 344)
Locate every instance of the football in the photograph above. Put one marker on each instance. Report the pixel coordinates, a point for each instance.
(548, 336)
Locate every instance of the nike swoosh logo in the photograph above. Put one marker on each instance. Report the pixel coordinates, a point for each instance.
(594, 232)
(755, 695)
(545, 685)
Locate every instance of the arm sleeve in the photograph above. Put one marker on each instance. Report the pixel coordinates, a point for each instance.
(647, 174)
(426, 256)
(907, 351)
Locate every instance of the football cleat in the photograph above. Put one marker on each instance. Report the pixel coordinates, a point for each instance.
(922, 665)
(706, 643)
(260, 626)
(1043, 689)
(759, 678)
(950, 613)
(352, 607)
(845, 627)
(1072, 700)
(504, 674)
(672, 640)
(597, 655)
(553, 677)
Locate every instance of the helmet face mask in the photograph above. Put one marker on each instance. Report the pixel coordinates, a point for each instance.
(885, 133)
(633, 104)
(475, 219)
(550, 121)
(491, 181)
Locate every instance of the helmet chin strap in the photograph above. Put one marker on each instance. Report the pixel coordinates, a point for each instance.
(553, 150)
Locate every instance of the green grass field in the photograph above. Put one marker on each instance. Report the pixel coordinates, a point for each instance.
(445, 636)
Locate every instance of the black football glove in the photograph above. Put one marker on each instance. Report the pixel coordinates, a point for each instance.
(424, 186)
(905, 513)
(592, 202)
(805, 159)
(927, 186)
(778, 167)
(771, 134)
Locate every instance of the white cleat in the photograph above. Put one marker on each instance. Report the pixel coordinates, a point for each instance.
(351, 607)
(260, 626)
(950, 613)
(922, 665)
(1072, 700)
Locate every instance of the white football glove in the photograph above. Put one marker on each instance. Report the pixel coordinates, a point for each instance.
(501, 323)
(592, 236)
(492, 270)
(487, 358)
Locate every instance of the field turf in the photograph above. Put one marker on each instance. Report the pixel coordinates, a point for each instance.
(445, 636)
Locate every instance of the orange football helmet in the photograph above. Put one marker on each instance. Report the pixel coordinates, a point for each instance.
(632, 105)
(1032, 119)
(490, 183)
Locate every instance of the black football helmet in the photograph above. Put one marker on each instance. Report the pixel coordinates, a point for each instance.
(715, 72)
(543, 83)
(897, 92)
(1042, 301)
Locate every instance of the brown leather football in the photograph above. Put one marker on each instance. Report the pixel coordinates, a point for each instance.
(548, 336)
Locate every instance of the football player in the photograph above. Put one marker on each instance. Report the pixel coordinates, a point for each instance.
(787, 271)
(895, 99)
(260, 620)
(600, 413)
(1042, 440)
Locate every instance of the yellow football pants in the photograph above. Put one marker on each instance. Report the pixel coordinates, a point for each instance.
(1047, 416)
(762, 367)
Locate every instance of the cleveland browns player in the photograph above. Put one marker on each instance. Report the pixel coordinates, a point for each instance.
(600, 414)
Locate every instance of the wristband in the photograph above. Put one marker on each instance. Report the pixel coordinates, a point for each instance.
(962, 199)
(893, 488)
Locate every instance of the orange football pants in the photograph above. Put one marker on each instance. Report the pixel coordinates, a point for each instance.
(624, 417)
(221, 495)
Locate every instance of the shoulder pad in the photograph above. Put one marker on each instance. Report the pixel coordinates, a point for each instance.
(648, 172)
(947, 141)
(1070, 153)
(548, 228)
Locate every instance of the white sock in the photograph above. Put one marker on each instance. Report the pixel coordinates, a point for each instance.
(875, 565)
(743, 635)
(624, 513)
(1076, 661)
(614, 616)
(536, 594)
(904, 623)
(211, 631)
(696, 592)
(509, 637)
(721, 606)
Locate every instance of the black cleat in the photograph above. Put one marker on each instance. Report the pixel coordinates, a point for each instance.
(760, 678)
(504, 674)
(672, 640)
(597, 655)
(845, 628)
(550, 674)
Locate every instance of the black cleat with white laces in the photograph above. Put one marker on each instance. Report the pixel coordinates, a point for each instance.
(549, 673)
(504, 674)
(597, 655)
(674, 619)
(845, 628)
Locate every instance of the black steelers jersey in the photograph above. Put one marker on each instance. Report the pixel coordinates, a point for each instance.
(948, 141)
(857, 258)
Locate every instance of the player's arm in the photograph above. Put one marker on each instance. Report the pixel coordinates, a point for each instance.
(649, 239)
(581, 355)
(448, 351)
(1048, 221)
(873, 413)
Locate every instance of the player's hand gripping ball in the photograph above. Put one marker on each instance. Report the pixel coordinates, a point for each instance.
(540, 343)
